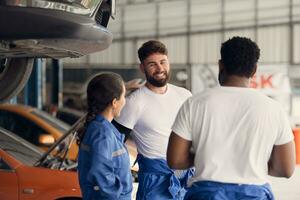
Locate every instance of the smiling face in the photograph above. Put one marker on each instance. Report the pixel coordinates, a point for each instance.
(157, 69)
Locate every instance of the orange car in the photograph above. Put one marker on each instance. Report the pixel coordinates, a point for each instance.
(24, 177)
(33, 125)
(42, 129)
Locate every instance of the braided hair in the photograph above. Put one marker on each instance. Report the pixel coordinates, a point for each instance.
(101, 91)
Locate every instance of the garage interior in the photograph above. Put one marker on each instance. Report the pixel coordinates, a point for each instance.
(193, 31)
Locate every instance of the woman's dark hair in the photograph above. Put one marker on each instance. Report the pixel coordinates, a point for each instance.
(239, 56)
(101, 91)
(151, 47)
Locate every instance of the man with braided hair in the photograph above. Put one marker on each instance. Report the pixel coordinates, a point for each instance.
(234, 135)
(103, 162)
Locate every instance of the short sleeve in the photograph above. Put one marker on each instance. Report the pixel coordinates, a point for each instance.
(182, 123)
(188, 94)
(183, 93)
(285, 133)
(130, 112)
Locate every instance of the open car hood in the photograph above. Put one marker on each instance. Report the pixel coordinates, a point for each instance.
(63, 144)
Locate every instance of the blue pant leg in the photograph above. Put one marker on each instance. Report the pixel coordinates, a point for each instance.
(153, 187)
(254, 192)
(217, 195)
(217, 191)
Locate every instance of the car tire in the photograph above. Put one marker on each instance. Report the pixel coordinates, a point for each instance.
(14, 73)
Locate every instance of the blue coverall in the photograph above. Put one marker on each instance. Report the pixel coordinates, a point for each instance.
(158, 182)
(103, 163)
(209, 190)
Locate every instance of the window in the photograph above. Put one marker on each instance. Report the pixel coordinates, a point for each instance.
(4, 165)
(21, 126)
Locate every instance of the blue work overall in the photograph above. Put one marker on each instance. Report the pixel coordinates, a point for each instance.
(103, 163)
(209, 190)
(157, 181)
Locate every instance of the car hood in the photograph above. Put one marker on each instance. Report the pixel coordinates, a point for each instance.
(64, 142)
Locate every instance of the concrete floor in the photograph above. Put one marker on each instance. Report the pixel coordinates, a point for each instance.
(287, 189)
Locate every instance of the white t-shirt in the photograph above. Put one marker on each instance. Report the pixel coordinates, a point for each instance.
(151, 116)
(233, 131)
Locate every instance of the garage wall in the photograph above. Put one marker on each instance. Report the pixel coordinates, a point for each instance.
(172, 17)
(273, 11)
(297, 43)
(239, 13)
(205, 48)
(193, 30)
(177, 47)
(111, 55)
(274, 44)
(205, 15)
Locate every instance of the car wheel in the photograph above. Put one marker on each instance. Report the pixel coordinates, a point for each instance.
(14, 73)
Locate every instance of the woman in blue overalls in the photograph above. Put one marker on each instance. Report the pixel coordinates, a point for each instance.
(103, 162)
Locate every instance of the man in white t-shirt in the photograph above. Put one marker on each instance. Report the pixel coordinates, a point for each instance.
(149, 114)
(234, 135)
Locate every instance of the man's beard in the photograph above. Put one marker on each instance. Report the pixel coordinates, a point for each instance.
(157, 82)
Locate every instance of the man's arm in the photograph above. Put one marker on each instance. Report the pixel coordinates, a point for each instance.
(282, 160)
(122, 129)
(178, 153)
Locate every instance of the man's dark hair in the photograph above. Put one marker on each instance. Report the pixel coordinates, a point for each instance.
(151, 47)
(239, 56)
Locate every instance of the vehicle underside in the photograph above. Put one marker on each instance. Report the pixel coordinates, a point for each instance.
(47, 29)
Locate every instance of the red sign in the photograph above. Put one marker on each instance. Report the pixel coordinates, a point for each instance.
(262, 81)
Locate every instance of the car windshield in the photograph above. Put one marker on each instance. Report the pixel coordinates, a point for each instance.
(56, 123)
(19, 148)
(83, 7)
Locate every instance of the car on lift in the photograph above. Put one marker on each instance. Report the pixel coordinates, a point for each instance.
(48, 29)
(23, 176)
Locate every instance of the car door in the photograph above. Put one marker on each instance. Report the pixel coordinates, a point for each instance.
(9, 181)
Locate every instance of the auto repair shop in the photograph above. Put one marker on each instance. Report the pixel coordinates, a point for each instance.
(51, 49)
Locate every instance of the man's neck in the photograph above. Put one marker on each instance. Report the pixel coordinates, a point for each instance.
(237, 81)
(158, 90)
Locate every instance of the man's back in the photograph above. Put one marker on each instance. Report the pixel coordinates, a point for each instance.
(234, 134)
(238, 136)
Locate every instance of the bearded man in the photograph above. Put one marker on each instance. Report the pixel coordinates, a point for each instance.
(149, 114)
